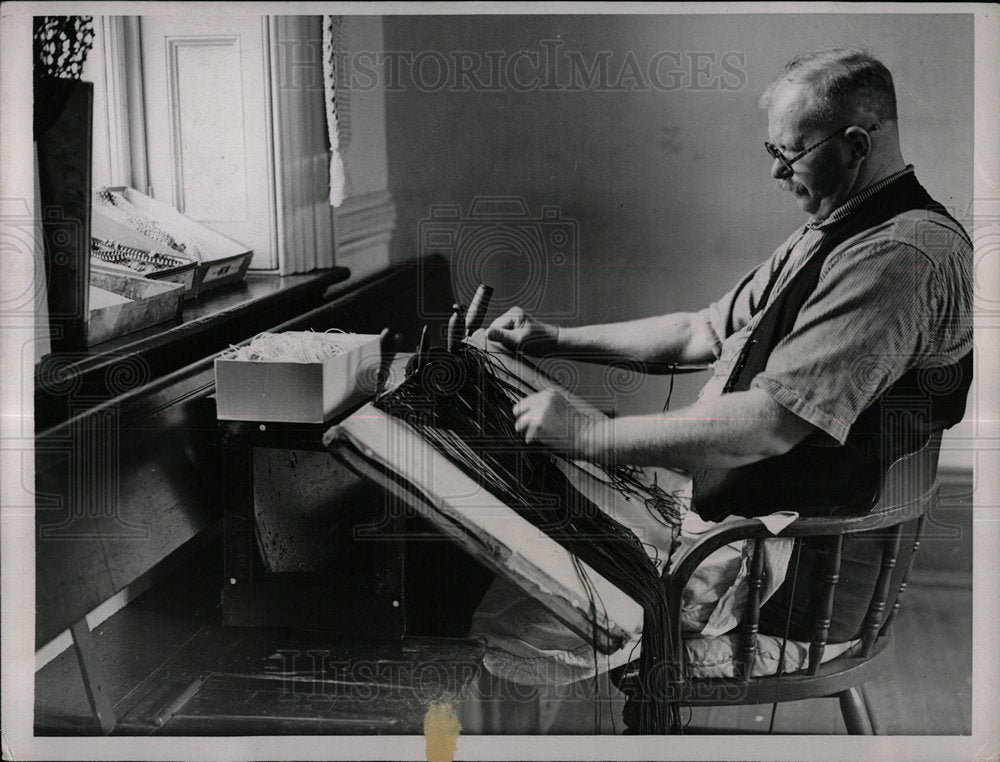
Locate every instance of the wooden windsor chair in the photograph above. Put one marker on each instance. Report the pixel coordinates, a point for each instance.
(845, 580)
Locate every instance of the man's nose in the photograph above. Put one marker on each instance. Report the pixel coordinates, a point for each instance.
(779, 171)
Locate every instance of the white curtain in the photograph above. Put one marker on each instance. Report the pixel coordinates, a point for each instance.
(338, 111)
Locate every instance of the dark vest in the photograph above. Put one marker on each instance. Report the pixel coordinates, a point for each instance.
(816, 477)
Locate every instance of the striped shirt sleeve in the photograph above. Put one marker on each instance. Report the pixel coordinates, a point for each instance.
(873, 316)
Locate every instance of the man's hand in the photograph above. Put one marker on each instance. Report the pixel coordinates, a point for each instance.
(548, 418)
(518, 331)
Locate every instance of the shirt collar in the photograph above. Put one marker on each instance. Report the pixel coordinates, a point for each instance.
(856, 200)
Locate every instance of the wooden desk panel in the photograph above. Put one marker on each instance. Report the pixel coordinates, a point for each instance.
(367, 602)
(127, 466)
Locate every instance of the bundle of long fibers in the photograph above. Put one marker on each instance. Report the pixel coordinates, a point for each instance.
(459, 404)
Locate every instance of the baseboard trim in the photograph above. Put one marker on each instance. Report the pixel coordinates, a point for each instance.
(363, 228)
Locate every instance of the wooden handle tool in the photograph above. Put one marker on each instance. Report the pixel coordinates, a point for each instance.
(456, 327)
(477, 309)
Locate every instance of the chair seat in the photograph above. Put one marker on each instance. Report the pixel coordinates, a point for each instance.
(722, 657)
(831, 678)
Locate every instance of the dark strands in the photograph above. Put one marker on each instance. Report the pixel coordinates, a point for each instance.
(461, 403)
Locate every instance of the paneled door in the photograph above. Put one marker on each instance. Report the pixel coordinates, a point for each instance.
(209, 139)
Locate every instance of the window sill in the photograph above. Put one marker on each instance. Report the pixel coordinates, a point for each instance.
(208, 325)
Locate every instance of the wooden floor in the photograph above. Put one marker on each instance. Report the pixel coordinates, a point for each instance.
(928, 690)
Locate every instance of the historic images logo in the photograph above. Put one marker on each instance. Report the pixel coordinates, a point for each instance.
(548, 67)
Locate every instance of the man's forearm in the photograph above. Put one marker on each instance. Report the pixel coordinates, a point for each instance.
(726, 432)
(664, 339)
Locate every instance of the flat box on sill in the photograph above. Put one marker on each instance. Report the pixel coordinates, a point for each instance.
(182, 270)
(298, 392)
(129, 304)
(222, 259)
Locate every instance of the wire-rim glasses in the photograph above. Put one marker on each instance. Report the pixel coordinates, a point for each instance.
(788, 162)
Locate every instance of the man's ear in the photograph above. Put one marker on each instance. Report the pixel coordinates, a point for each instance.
(860, 143)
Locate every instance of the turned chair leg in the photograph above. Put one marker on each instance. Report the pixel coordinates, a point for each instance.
(855, 711)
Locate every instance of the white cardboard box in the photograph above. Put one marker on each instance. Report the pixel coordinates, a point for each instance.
(249, 390)
(140, 303)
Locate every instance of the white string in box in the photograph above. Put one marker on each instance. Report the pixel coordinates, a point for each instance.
(291, 346)
(118, 207)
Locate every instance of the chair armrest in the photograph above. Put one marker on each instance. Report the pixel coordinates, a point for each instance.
(752, 529)
(684, 565)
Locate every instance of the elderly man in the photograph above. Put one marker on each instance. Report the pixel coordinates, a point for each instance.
(862, 305)
(845, 349)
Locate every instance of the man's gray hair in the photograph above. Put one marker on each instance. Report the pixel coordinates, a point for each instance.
(845, 83)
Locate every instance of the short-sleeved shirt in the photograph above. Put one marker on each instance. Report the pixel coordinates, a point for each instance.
(893, 298)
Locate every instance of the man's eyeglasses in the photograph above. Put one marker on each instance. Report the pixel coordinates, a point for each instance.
(788, 162)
